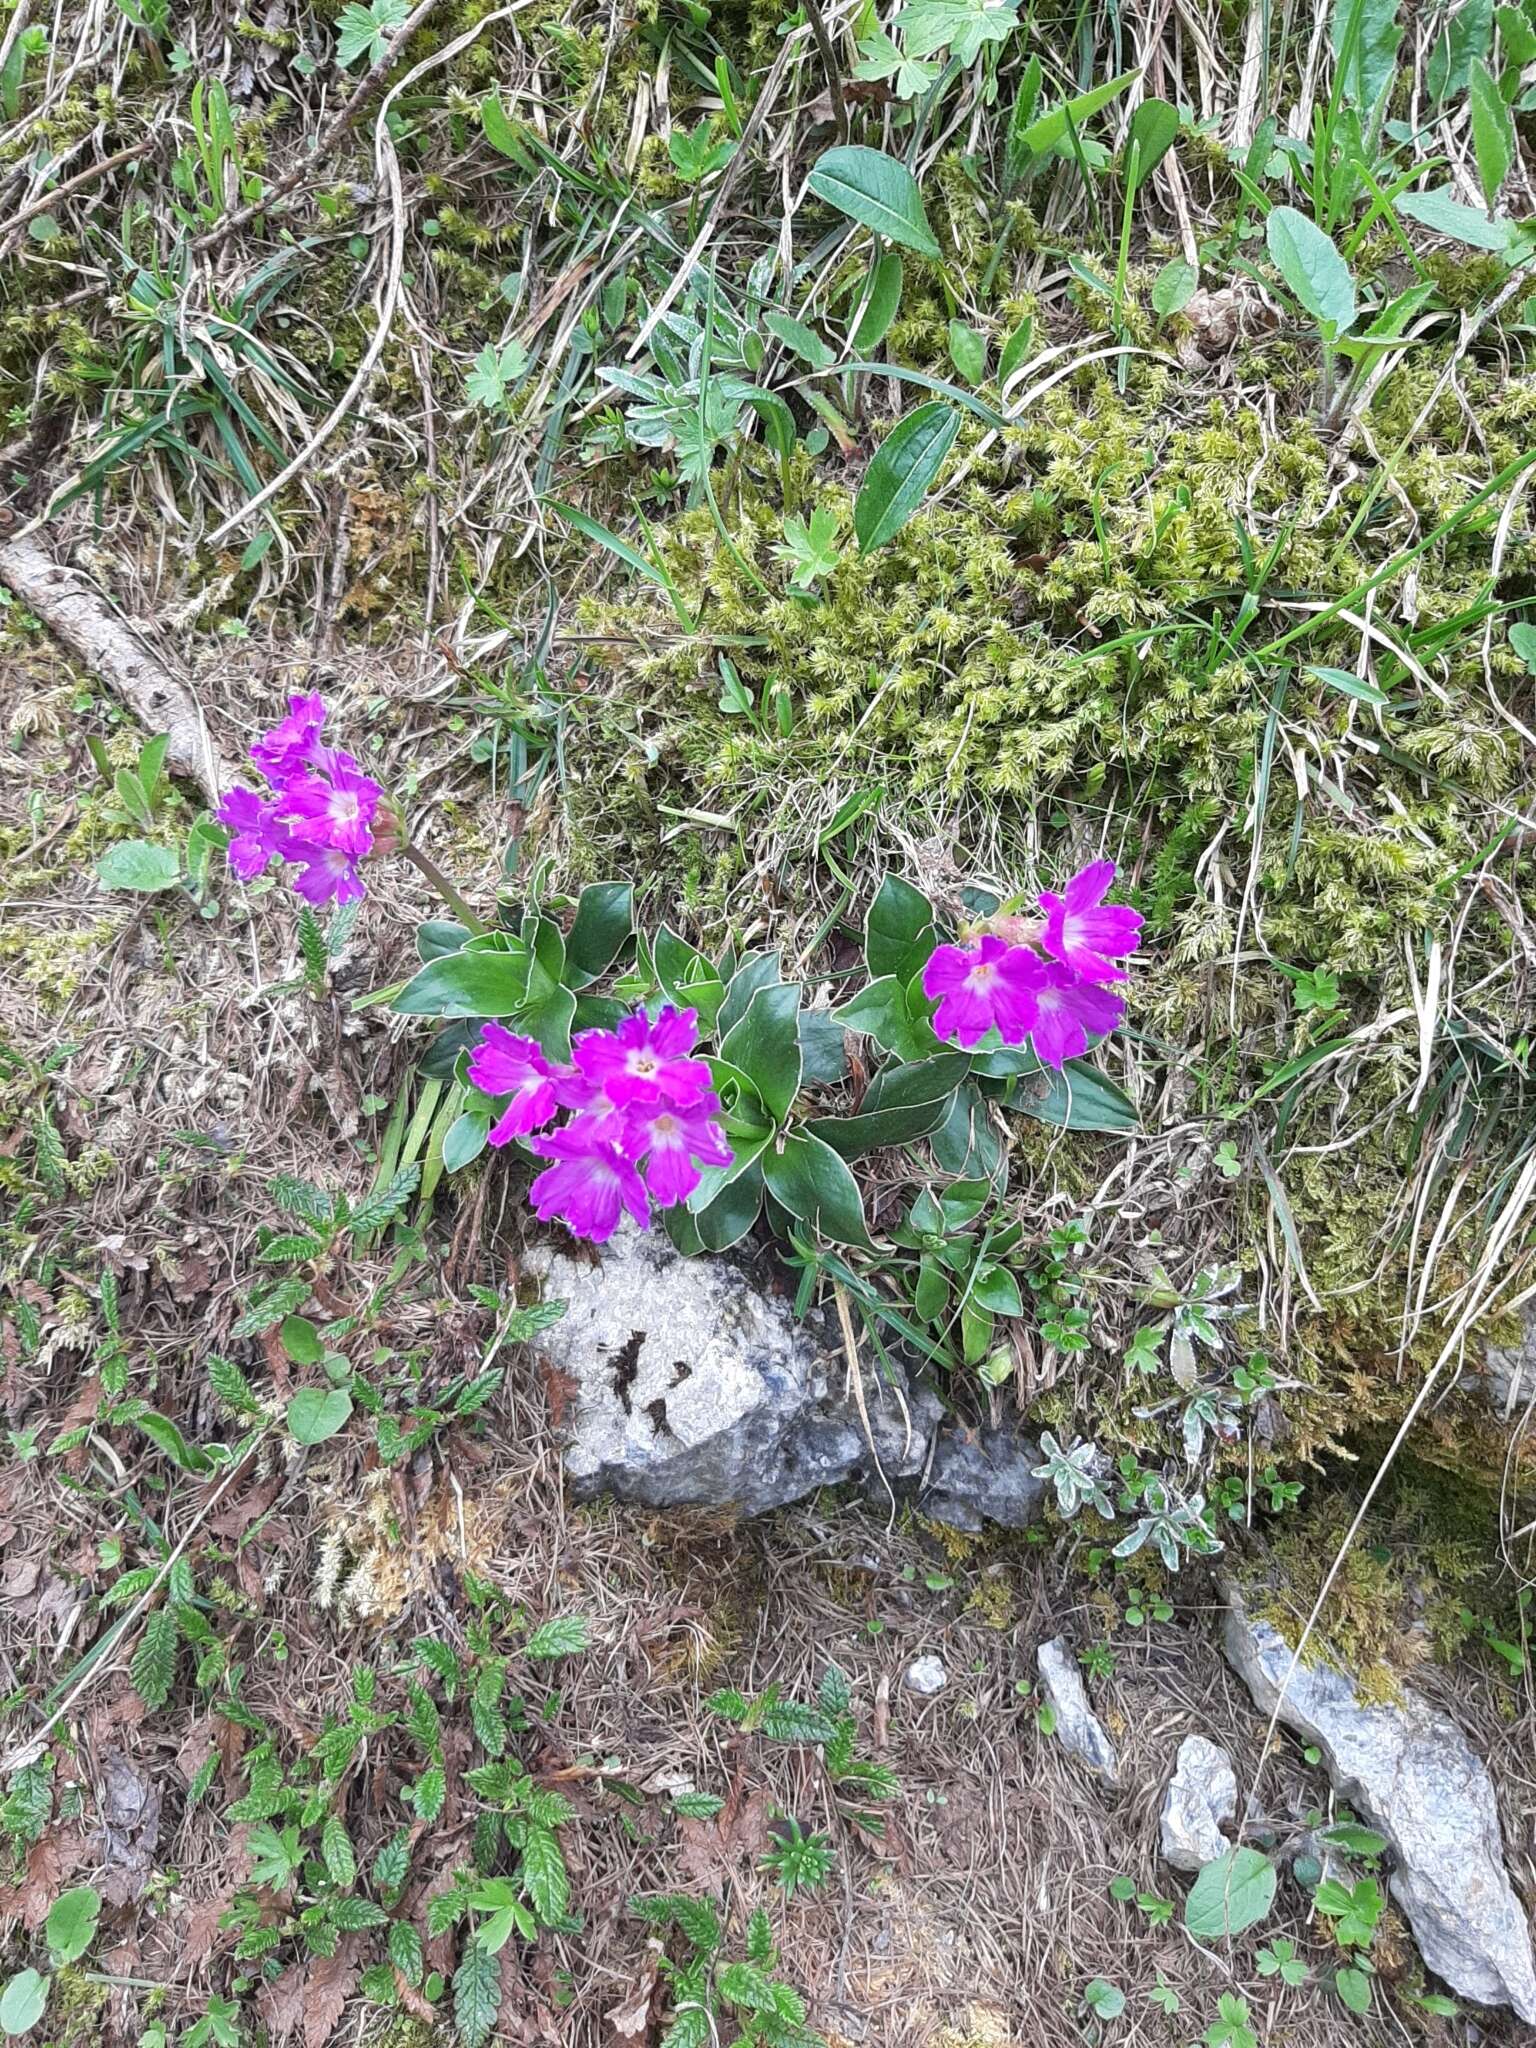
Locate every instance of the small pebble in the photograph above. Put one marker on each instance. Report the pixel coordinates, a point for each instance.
(927, 1676)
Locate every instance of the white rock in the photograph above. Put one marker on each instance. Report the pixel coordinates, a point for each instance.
(926, 1675)
(1201, 1794)
(1076, 1726)
(1412, 1774)
(694, 1387)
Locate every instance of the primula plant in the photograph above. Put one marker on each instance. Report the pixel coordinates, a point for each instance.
(646, 1079)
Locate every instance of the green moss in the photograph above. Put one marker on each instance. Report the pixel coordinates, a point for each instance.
(1412, 1586)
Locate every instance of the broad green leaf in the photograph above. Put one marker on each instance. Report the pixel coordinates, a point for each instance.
(899, 931)
(499, 130)
(467, 984)
(1445, 215)
(1523, 640)
(962, 27)
(731, 1214)
(877, 192)
(465, 1140)
(23, 2002)
(1153, 131)
(604, 919)
(1230, 1895)
(881, 303)
(162, 1431)
(766, 1046)
(1354, 1987)
(301, 1340)
(897, 480)
(72, 1923)
(882, 1012)
(1349, 685)
(758, 970)
(1517, 36)
(902, 1104)
(968, 351)
(438, 937)
(1017, 350)
(1465, 35)
(1051, 129)
(1313, 268)
(1173, 287)
(814, 1185)
(823, 1055)
(1493, 132)
(317, 1413)
(1365, 38)
(1076, 1098)
(801, 340)
(135, 864)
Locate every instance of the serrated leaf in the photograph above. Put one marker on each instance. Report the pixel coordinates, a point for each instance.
(384, 1204)
(1230, 1895)
(428, 1793)
(878, 192)
(697, 1805)
(336, 1852)
(301, 1198)
(544, 1876)
(154, 1662)
(405, 1951)
(565, 1635)
(270, 1306)
(137, 865)
(476, 1994)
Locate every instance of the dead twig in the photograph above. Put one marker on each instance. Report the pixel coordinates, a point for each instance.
(79, 616)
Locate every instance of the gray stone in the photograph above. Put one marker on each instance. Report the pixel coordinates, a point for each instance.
(693, 1387)
(1201, 1794)
(1412, 1774)
(926, 1675)
(1077, 1728)
(984, 1475)
(1507, 1375)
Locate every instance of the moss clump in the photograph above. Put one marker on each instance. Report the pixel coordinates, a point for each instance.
(1415, 1585)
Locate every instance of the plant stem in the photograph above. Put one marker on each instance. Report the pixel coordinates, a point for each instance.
(425, 865)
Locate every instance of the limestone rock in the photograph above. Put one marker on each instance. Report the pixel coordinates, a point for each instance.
(1201, 1794)
(1077, 1728)
(926, 1676)
(693, 1387)
(984, 1476)
(1412, 1774)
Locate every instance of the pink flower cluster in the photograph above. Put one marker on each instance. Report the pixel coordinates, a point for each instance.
(994, 984)
(642, 1124)
(319, 817)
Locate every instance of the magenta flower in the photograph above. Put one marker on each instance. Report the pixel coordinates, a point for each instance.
(291, 742)
(336, 806)
(1066, 1011)
(677, 1143)
(987, 986)
(326, 874)
(259, 836)
(644, 1062)
(1084, 932)
(504, 1064)
(590, 1182)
